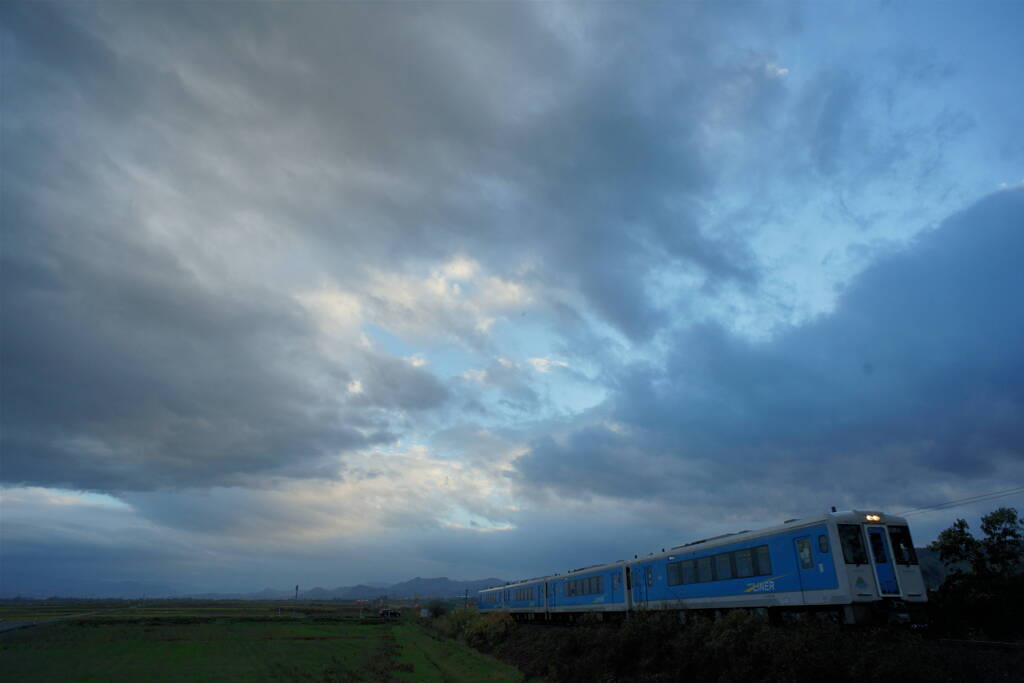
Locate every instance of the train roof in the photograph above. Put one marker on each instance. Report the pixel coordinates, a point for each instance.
(582, 571)
(840, 517)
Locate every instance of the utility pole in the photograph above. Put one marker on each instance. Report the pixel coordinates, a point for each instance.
(296, 592)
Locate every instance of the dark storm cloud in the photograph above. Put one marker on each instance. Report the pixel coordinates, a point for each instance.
(916, 376)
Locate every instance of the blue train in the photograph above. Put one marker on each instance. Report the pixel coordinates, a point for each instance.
(853, 566)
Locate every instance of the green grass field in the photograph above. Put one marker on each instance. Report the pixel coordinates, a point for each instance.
(234, 642)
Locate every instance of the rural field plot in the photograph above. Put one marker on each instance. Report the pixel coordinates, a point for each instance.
(50, 609)
(237, 643)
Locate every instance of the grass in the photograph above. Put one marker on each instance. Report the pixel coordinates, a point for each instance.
(238, 642)
(435, 659)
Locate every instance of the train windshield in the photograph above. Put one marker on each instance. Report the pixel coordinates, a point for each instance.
(902, 547)
(852, 539)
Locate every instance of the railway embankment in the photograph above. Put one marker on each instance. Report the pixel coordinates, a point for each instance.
(735, 647)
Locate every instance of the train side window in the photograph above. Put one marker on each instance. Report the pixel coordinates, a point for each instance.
(689, 571)
(852, 540)
(823, 543)
(803, 549)
(744, 563)
(675, 573)
(705, 569)
(763, 560)
(723, 566)
(902, 547)
(650, 576)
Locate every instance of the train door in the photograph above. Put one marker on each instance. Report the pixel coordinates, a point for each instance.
(642, 580)
(629, 588)
(883, 561)
(805, 567)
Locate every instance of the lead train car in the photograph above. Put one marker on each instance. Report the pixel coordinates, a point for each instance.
(858, 566)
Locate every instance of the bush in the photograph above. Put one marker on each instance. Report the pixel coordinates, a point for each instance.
(488, 631)
(437, 608)
(456, 623)
(738, 646)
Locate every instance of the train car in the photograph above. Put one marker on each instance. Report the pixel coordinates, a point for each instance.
(854, 566)
(527, 597)
(599, 588)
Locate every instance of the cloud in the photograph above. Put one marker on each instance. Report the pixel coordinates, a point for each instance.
(292, 270)
(544, 365)
(913, 379)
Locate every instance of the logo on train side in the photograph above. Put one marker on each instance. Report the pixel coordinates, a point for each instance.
(766, 586)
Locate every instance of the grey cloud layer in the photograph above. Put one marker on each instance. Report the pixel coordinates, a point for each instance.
(172, 172)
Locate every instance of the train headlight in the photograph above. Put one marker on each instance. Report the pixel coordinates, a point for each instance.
(873, 518)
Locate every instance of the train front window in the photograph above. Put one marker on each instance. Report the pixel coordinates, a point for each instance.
(902, 546)
(852, 540)
(878, 548)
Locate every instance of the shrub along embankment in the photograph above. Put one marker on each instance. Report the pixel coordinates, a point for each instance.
(736, 647)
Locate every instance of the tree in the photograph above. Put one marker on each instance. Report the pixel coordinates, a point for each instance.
(986, 599)
(999, 554)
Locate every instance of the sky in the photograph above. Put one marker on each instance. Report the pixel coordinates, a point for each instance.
(329, 293)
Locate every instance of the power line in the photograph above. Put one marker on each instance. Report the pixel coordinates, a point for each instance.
(964, 501)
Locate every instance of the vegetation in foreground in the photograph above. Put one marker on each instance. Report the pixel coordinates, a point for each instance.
(238, 642)
(736, 647)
